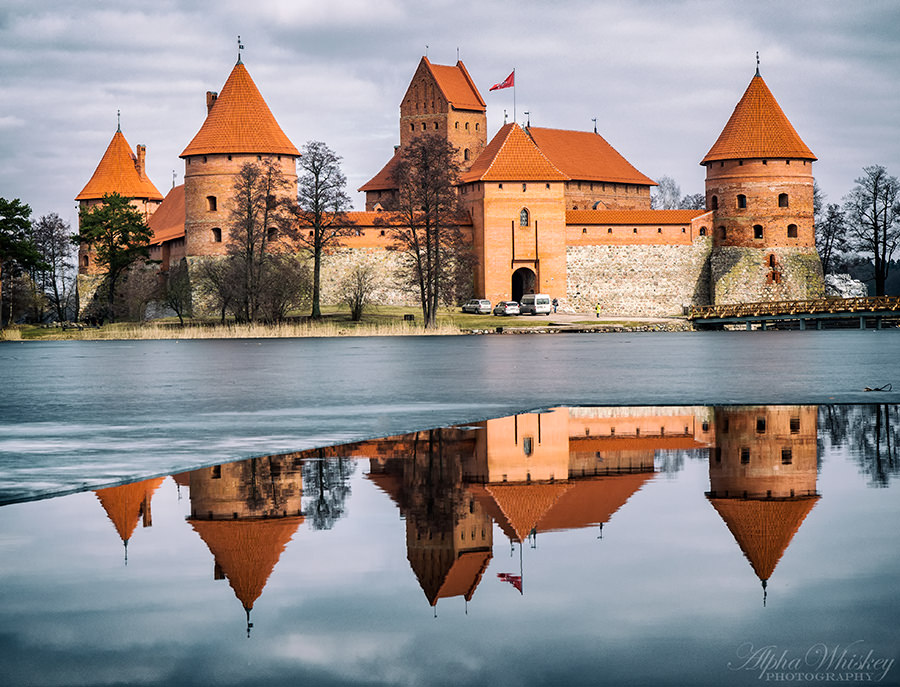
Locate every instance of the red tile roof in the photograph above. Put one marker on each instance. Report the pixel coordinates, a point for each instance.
(118, 173)
(762, 528)
(655, 217)
(124, 504)
(457, 86)
(512, 156)
(167, 222)
(758, 129)
(584, 155)
(384, 180)
(240, 122)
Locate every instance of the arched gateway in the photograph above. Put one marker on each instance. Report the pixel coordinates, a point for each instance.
(523, 281)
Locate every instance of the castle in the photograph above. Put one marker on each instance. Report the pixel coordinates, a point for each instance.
(549, 210)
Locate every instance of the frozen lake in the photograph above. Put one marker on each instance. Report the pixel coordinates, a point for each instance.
(84, 414)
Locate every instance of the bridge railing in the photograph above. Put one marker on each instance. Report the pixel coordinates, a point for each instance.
(806, 307)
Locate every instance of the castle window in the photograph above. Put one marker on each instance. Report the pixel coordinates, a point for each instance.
(765, 162)
(782, 200)
(786, 456)
(456, 125)
(609, 230)
(271, 233)
(435, 125)
(423, 126)
(217, 235)
(229, 158)
(217, 472)
(795, 425)
(412, 127)
(84, 261)
(500, 185)
(634, 231)
(382, 233)
(745, 455)
(787, 162)
(683, 230)
(772, 261)
(584, 231)
(524, 187)
(211, 203)
(715, 202)
(741, 200)
(659, 230)
(548, 185)
(760, 425)
(723, 234)
(702, 231)
(466, 154)
(792, 231)
(467, 126)
(757, 231)
(258, 157)
(204, 158)
(523, 218)
(476, 126)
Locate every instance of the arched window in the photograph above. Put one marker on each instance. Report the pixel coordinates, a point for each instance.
(412, 127)
(423, 126)
(211, 203)
(782, 200)
(702, 231)
(271, 233)
(84, 261)
(455, 125)
(476, 126)
(435, 125)
(466, 154)
(524, 218)
(757, 231)
(792, 231)
(217, 235)
(715, 202)
(742, 200)
(467, 126)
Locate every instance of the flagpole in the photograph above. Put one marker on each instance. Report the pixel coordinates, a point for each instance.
(514, 94)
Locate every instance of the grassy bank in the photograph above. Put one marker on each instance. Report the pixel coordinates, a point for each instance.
(384, 321)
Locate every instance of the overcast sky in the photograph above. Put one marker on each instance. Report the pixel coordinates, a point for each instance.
(661, 78)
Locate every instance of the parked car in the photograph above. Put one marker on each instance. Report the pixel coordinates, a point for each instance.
(478, 306)
(535, 304)
(506, 308)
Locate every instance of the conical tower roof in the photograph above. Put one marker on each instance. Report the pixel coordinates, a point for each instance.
(118, 173)
(240, 122)
(123, 504)
(247, 550)
(763, 529)
(758, 129)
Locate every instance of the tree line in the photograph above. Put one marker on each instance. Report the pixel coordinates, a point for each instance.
(859, 235)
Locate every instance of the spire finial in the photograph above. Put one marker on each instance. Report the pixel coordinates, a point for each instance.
(757, 62)
(594, 120)
(249, 624)
(240, 47)
(173, 186)
(119, 121)
(426, 51)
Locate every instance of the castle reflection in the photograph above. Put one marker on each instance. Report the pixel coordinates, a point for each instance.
(529, 474)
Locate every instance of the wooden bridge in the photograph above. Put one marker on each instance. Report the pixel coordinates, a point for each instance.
(878, 311)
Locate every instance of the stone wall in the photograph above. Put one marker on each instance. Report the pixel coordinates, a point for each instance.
(638, 280)
(750, 275)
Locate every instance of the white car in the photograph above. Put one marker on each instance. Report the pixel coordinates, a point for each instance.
(478, 306)
(506, 308)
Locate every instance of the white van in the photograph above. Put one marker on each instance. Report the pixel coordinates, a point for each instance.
(535, 304)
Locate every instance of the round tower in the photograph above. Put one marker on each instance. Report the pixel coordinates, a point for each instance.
(759, 186)
(239, 129)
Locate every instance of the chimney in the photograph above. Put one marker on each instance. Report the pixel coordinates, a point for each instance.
(141, 151)
(210, 100)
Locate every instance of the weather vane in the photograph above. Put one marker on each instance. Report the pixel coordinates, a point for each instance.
(757, 62)
(240, 47)
(119, 121)
(594, 120)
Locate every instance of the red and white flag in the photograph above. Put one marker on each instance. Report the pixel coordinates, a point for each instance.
(514, 580)
(508, 82)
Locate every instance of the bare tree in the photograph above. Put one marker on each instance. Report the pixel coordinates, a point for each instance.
(831, 236)
(176, 290)
(52, 238)
(358, 287)
(666, 195)
(259, 211)
(872, 212)
(218, 284)
(693, 201)
(321, 211)
(427, 220)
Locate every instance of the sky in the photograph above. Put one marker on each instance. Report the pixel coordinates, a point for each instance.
(660, 77)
